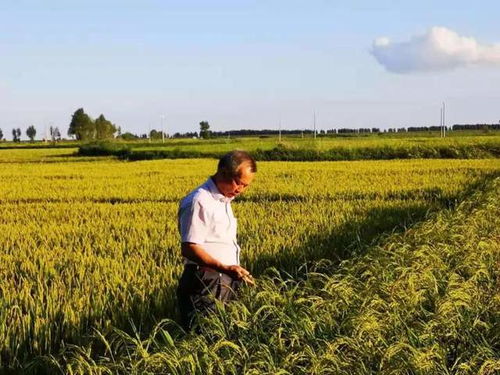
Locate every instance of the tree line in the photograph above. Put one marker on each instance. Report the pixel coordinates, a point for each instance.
(82, 127)
(206, 133)
(154, 134)
(476, 127)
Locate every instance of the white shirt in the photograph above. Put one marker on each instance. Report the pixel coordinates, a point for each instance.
(205, 217)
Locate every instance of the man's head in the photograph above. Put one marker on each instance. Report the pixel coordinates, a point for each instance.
(235, 172)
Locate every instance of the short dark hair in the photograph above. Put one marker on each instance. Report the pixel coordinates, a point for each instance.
(230, 164)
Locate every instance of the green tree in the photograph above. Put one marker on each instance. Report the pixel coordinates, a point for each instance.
(155, 134)
(82, 126)
(55, 134)
(204, 130)
(127, 136)
(31, 133)
(1, 134)
(104, 128)
(16, 135)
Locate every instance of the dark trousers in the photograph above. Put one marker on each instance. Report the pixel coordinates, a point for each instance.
(198, 288)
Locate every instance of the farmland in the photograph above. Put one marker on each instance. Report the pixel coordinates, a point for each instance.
(357, 147)
(91, 243)
(457, 145)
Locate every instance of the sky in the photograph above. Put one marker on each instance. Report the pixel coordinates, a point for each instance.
(248, 64)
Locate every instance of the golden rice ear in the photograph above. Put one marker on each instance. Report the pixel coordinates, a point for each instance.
(248, 279)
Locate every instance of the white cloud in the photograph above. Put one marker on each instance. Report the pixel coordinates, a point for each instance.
(436, 50)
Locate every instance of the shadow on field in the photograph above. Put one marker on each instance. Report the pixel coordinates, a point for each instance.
(352, 238)
(348, 240)
(345, 241)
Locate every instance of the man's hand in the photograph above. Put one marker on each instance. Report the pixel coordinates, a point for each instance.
(197, 254)
(238, 273)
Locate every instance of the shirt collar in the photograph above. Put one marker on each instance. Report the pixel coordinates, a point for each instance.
(212, 187)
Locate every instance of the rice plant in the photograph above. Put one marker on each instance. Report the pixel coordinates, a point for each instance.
(90, 259)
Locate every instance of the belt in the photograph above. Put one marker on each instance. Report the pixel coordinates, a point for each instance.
(201, 268)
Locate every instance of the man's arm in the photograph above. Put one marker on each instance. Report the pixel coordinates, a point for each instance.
(196, 253)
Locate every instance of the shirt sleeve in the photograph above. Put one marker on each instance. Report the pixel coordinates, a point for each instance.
(193, 223)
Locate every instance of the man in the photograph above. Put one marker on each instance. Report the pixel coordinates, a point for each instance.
(208, 238)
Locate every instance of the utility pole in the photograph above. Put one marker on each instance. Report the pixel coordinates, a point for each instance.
(314, 124)
(444, 120)
(279, 130)
(162, 118)
(441, 122)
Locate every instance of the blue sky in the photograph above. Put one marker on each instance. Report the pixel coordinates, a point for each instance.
(236, 64)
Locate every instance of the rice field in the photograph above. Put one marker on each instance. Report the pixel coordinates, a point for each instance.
(359, 147)
(424, 301)
(323, 143)
(91, 245)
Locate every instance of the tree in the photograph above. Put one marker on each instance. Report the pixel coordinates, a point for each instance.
(16, 135)
(185, 135)
(104, 128)
(1, 134)
(82, 126)
(55, 134)
(204, 130)
(155, 134)
(127, 136)
(31, 133)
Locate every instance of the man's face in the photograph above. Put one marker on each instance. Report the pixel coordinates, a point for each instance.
(237, 185)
